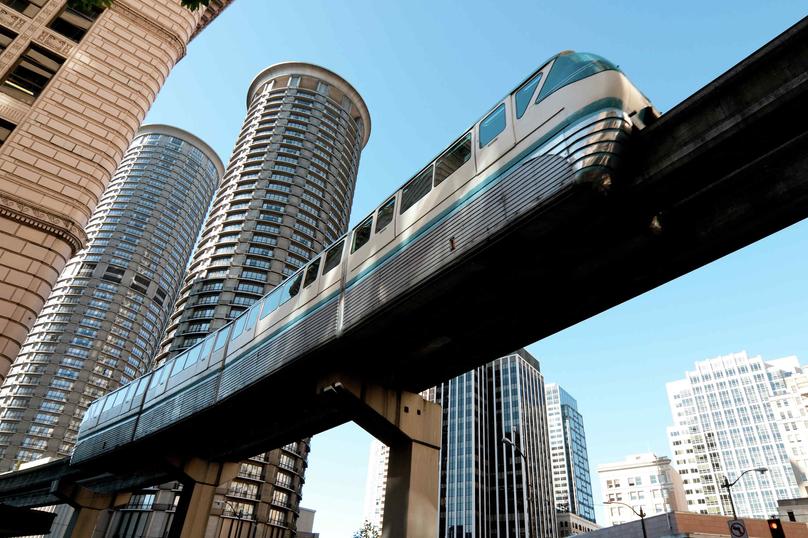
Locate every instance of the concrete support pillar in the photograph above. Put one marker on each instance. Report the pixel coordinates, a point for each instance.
(411, 499)
(88, 505)
(201, 478)
(411, 427)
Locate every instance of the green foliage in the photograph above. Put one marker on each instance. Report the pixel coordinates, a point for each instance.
(89, 5)
(368, 531)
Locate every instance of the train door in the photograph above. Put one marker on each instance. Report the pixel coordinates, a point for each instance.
(533, 111)
(494, 135)
(309, 289)
(332, 268)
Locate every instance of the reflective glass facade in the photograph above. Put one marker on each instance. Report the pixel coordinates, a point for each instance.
(572, 483)
(487, 489)
(101, 324)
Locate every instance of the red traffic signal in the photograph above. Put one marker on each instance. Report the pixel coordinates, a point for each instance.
(776, 528)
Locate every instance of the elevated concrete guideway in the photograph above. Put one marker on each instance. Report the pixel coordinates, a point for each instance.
(723, 169)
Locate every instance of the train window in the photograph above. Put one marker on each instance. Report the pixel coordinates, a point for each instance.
(221, 338)
(253, 315)
(333, 257)
(416, 189)
(492, 125)
(452, 159)
(569, 68)
(361, 234)
(144, 382)
(524, 94)
(291, 287)
(271, 302)
(179, 362)
(311, 273)
(206, 345)
(193, 356)
(385, 214)
(238, 328)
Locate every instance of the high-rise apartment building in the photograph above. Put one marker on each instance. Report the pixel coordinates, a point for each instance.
(376, 483)
(74, 88)
(572, 484)
(100, 326)
(286, 195)
(731, 414)
(487, 487)
(645, 482)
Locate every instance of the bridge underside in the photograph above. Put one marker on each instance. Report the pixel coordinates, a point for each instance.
(723, 169)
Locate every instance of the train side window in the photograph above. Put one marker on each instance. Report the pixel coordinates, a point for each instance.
(180, 362)
(455, 157)
(492, 125)
(206, 345)
(253, 315)
(221, 338)
(238, 328)
(271, 302)
(291, 288)
(333, 257)
(524, 94)
(311, 273)
(416, 189)
(144, 382)
(193, 356)
(361, 234)
(385, 214)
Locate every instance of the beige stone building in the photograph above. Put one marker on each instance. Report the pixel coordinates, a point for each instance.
(74, 88)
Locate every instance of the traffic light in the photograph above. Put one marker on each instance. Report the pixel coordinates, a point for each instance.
(776, 528)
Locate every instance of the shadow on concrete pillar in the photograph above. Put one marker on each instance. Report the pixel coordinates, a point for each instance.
(411, 427)
(200, 479)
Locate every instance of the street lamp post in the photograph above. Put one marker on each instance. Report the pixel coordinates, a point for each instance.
(641, 514)
(728, 486)
(515, 448)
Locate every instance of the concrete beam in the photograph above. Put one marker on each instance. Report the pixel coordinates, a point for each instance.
(411, 427)
(199, 483)
(88, 505)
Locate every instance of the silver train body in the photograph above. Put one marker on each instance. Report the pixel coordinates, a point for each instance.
(564, 125)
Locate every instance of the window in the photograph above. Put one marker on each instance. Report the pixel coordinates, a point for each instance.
(73, 21)
(291, 287)
(28, 8)
(569, 68)
(362, 234)
(6, 37)
(30, 74)
(454, 158)
(385, 214)
(5, 130)
(417, 188)
(333, 257)
(492, 125)
(311, 273)
(524, 94)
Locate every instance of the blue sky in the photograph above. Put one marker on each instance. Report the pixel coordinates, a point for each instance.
(427, 71)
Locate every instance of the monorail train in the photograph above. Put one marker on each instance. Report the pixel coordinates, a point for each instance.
(565, 125)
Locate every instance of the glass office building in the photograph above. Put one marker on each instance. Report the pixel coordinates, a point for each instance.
(489, 488)
(572, 483)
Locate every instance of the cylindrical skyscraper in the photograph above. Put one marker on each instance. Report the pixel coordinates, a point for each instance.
(101, 324)
(286, 194)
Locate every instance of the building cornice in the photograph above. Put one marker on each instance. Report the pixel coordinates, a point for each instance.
(141, 20)
(26, 213)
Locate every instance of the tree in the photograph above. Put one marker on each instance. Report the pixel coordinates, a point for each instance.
(89, 5)
(368, 531)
